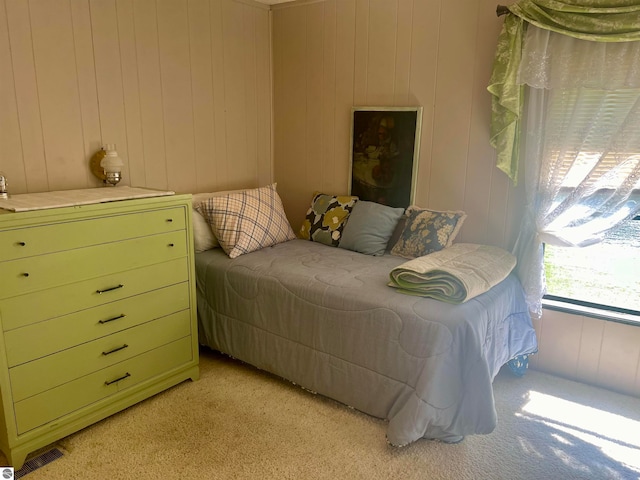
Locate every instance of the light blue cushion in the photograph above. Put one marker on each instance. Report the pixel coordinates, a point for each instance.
(370, 227)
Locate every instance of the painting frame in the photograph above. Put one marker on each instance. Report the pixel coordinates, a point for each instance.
(384, 154)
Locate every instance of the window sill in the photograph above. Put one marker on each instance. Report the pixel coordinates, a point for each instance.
(592, 312)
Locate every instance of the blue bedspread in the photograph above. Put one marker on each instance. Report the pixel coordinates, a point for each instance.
(326, 319)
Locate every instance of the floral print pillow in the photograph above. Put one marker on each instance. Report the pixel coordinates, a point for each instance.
(326, 218)
(427, 231)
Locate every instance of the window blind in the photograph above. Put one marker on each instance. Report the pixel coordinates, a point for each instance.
(611, 146)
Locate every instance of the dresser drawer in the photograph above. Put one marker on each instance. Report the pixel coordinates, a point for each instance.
(35, 307)
(46, 271)
(57, 237)
(48, 372)
(70, 397)
(45, 338)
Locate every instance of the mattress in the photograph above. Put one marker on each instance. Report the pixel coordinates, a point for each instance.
(326, 319)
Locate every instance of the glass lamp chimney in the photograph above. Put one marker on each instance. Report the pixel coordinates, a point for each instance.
(112, 165)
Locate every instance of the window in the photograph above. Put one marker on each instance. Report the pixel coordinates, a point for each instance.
(604, 275)
(569, 109)
(601, 174)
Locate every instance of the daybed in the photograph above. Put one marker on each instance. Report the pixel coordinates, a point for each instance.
(326, 319)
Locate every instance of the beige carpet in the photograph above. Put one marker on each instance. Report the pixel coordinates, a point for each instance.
(239, 423)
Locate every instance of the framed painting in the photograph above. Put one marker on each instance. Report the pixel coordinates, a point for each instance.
(384, 154)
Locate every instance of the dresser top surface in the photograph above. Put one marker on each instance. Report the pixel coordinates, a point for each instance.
(70, 198)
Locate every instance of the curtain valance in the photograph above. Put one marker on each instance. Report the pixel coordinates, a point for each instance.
(554, 61)
(595, 20)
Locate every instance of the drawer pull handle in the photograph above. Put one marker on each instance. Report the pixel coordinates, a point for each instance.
(112, 319)
(126, 375)
(169, 220)
(25, 274)
(117, 349)
(22, 244)
(171, 244)
(100, 292)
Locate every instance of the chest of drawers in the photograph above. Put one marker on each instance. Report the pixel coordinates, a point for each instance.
(97, 312)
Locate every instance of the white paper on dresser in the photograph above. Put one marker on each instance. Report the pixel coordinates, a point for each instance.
(69, 198)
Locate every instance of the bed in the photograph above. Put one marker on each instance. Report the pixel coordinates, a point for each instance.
(326, 319)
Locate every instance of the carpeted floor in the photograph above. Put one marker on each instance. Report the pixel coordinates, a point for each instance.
(239, 423)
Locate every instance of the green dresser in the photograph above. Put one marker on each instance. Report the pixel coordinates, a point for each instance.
(97, 312)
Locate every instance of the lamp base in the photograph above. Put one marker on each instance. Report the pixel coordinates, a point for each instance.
(112, 178)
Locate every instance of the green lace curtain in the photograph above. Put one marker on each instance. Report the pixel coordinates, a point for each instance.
(595, 20)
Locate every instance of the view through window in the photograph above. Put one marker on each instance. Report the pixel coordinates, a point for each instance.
(607, 273)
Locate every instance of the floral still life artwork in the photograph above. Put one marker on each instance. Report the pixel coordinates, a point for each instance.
(384, 154)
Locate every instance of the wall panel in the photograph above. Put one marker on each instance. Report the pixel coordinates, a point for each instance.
(108, 73)
(337, 176)
(330, 48)
(250, 73)
(151, 102)
(619, 357)
(131, 94)
(264, 97)
(9, 122)
(314, 77)
(402, 54)
(202, 92)
(480, 174)
(291, 106)
(177, 99)
(235, 84)
(591, 335)
(361, 53)
(381, 51)
(59, 102)
(87, 87)
(425, 31)
(453, 94)
(560, 329)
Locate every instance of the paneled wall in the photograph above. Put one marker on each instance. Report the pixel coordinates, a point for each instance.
(331, 55)
(589, 350)
(182, 87)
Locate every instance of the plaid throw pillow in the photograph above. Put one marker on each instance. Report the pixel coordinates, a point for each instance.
(247, 221)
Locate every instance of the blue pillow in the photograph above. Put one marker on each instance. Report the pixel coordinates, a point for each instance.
(370, 227)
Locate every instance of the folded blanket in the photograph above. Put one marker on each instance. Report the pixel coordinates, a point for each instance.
(455, 274)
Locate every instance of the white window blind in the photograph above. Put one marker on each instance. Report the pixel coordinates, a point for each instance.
(589, 137)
